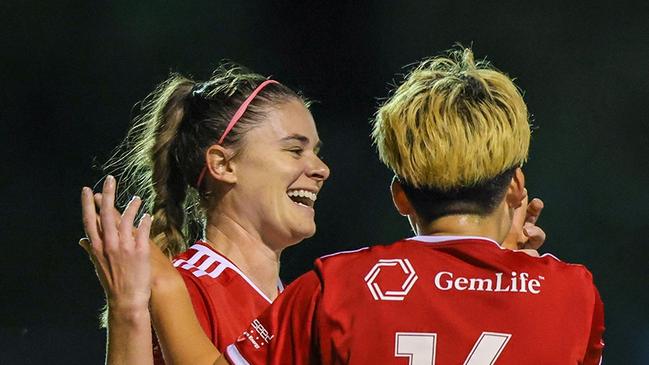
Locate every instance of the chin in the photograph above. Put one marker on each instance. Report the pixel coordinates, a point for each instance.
(304, 233)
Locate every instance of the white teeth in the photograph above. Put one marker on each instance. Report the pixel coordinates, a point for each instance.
(303, 193)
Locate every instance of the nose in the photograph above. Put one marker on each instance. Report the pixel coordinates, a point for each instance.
(318, 170)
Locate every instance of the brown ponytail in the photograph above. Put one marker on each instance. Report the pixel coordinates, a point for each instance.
(169, 187)
(147, 166)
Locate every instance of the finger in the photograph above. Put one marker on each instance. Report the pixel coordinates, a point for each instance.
(536, 236)
(534, 209)
(520, 215)
(98, 199)
(85, 243)
(96, 261)
(143, 231)
(108, 223)
(126, 224)
(89, 217)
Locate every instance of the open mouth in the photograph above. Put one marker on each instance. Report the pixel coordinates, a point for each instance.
(302, 197)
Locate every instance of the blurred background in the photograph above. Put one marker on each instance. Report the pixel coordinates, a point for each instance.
(73, 70)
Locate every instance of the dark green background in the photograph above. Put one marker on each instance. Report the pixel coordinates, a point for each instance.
(71, 72)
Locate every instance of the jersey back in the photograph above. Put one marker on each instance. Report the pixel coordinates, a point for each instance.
(432, 300)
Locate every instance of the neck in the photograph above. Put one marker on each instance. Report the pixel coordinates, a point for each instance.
(247, 250)
(489, 226)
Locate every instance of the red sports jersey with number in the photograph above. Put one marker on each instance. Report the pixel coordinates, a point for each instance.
(224, 299)
(431, 300)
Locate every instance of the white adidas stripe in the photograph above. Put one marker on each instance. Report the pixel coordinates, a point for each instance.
(223, 263)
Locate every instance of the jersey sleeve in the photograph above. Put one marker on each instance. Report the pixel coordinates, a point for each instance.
(595, 341)
(284, 333)
(201, 307)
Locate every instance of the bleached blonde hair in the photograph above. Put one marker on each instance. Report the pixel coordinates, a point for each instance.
(452, 123)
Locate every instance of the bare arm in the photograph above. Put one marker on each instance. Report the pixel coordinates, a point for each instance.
(120, 257)
(129, 337)
(132, 271)
(181, 337)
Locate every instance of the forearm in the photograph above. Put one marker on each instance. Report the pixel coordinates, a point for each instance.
(129, 336)
(180, 335)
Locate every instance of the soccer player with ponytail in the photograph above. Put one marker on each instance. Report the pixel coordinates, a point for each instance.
(230, 165)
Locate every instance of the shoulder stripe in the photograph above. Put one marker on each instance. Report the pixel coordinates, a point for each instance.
(212, 264)
(209, 263)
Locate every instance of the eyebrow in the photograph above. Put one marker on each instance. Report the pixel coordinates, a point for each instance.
(302, 139)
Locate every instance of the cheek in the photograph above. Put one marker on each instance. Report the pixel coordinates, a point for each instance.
(286, 173)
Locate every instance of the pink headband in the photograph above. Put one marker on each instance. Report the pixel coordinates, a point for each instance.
(233, 121)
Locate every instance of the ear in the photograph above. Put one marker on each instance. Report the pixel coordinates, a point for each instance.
(516, 191)
(400, 199)
(220, 164)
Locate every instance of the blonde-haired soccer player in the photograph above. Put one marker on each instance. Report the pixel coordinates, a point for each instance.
(455, 133)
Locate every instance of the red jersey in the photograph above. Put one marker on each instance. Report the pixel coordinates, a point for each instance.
(431, 300)
(224, 298)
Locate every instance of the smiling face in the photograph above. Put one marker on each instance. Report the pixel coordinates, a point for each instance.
(278, 176)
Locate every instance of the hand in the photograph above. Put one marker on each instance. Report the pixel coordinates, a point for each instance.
(534, 234)
(163, 274)
(119, 251)
(524, 234)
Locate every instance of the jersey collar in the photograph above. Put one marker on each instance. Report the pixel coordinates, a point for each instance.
(440, 239)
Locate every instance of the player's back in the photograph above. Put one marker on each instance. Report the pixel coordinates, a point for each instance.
(455, 300)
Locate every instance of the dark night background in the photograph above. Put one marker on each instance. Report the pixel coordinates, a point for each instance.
(72, 71)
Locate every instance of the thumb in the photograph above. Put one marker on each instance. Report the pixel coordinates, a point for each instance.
(85, 244)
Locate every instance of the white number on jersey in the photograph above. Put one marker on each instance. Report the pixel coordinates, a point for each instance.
(420, 348)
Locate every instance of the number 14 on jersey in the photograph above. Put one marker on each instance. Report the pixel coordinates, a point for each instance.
(420, 348)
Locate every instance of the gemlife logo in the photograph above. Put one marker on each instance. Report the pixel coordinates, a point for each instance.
(391, 267)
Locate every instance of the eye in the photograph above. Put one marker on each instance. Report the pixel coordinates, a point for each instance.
(298, 151)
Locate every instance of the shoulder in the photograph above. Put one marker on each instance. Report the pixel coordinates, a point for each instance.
(375, 250)
(345, 262)
(568, 282)
(202, 265)
(576, 271)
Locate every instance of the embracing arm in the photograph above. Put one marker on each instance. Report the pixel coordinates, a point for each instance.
(180, 335)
